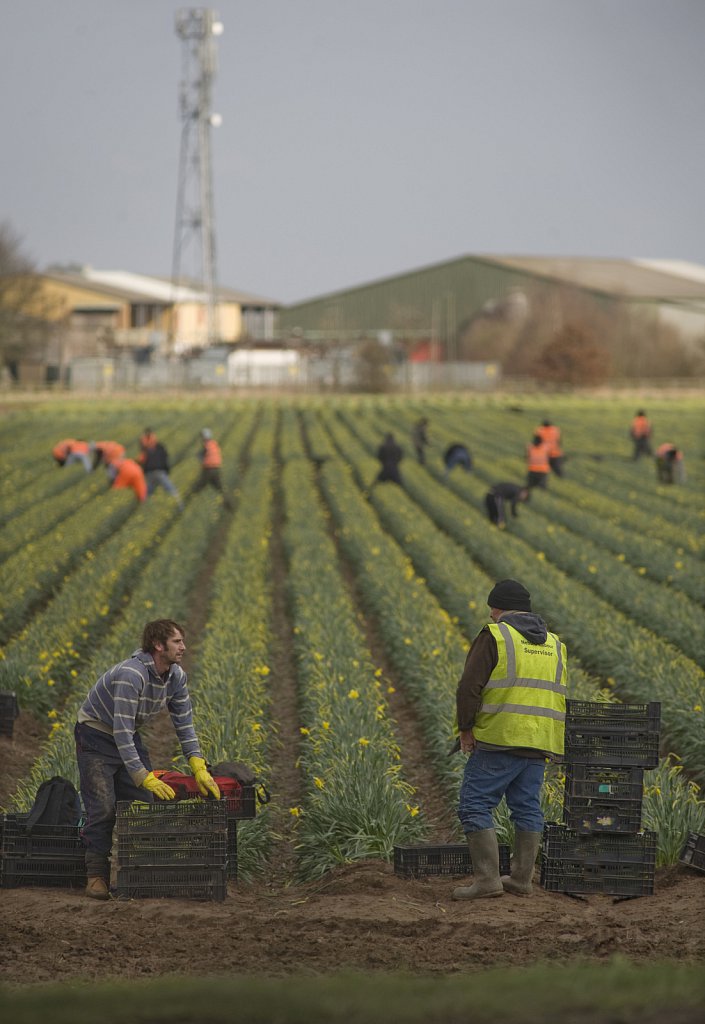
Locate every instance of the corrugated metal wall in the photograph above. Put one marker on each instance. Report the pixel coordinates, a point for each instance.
(435, 300)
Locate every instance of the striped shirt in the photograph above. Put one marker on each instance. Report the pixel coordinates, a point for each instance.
(128, 695)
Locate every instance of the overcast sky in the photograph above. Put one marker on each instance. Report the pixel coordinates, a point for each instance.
(360, 138)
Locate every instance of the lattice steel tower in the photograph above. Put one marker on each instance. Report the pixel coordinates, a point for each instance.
(194, 237)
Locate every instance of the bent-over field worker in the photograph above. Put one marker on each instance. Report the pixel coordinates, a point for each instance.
(113, 763)
(511, 718)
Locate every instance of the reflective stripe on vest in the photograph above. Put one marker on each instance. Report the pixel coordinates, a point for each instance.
(524, 698)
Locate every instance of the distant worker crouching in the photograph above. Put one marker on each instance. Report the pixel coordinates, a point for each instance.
(457, 455)
(107, 452)
(497, 498)
(128, 474)
(71, 451)
(670, 467)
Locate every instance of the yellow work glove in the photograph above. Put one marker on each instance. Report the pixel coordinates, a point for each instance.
(159, 788)
(204, 780)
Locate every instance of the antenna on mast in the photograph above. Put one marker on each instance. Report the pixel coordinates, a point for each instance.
(194, 235)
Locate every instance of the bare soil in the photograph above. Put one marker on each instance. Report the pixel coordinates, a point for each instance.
(361, 916)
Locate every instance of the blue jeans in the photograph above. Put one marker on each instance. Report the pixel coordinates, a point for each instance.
(104, 781)
(160, 478)
(491, 775)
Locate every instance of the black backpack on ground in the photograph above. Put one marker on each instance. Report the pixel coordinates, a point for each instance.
(57, 803)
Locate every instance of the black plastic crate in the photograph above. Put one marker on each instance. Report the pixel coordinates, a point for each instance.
(609, 863)
(693, 853)
(174, 882)
(599, 732)
(242, 806)
(173, 816)
(599, 798)
(232, 849)
(42, 841)
(9, 710)
(15, 872)
(183, 849)
(608, 878)
(446, 859)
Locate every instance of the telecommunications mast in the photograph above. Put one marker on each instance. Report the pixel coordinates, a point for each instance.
(194, 237)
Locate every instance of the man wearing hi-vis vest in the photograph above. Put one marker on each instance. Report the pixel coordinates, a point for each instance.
(511, 718)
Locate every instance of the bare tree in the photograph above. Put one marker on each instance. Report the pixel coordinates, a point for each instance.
(573, 357)
(24, 326)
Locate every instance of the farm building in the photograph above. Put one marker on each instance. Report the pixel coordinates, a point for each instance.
(649, 315)
(93, 314)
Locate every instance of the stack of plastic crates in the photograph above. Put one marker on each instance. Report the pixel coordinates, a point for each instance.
(238, 808)
(600, 847)
(175, 848)
(446, 859)
(46, 855)
(9, 710)
(693, 853)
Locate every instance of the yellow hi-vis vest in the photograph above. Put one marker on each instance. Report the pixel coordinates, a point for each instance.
(523, 702)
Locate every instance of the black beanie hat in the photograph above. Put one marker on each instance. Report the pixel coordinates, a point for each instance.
(510, 596)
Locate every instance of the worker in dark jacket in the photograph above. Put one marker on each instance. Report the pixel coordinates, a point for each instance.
(497, 498)
(154, 460)
(390, 455)
(510, 707)
(419, 437)
(456, 455)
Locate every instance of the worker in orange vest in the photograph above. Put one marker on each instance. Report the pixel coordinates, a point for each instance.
(550, 434)
(70, 451)
(670, 468)
(107, 452)
(128, 473)
(640, 433)
(537, 463)
(211, 461)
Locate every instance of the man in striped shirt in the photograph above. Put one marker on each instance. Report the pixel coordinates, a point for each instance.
(113, 763)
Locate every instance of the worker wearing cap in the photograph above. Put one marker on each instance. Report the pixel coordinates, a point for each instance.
(511, 717)
(211, 461)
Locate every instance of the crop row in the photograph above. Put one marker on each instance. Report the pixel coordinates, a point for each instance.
(357, 803)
